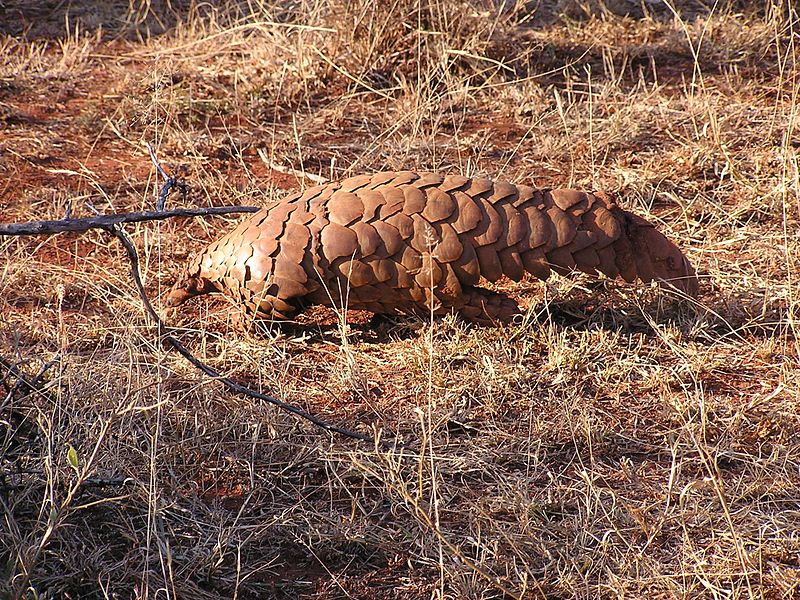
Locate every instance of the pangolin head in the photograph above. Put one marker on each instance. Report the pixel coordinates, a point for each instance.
(190, 283)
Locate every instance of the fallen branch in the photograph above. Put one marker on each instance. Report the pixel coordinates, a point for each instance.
(238, 388)
(107, 221)
(112, 225)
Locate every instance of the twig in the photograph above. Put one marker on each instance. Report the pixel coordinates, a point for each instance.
(133, 256)
(169, 182)
(157, 164)
(106, 221)
(112, 225)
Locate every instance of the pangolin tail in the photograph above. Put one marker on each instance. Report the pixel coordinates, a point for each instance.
(617, 243)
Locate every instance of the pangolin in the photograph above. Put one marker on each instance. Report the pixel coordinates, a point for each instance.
(416, 243)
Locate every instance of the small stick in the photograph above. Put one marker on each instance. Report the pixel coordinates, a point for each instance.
(237, 388)
(112, 225)
(157, 164)
(169, 181)
(105, 221)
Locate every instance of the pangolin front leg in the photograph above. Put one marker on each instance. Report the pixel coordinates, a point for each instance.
(416, 243)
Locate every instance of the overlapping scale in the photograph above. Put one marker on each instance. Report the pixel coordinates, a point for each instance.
(413, 242)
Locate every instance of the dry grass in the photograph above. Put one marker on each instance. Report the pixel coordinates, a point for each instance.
(610, 445)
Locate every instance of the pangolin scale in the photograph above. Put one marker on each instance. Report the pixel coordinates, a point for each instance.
(412, 243)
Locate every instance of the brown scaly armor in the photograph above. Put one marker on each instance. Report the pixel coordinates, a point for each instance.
(411, 242)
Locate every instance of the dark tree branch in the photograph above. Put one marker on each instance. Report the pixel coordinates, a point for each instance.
(112, 225)
(158, 166)
(106, 221)
(237, 388)
(169, 182)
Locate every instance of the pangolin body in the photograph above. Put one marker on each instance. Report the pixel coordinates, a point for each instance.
(406, 242)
